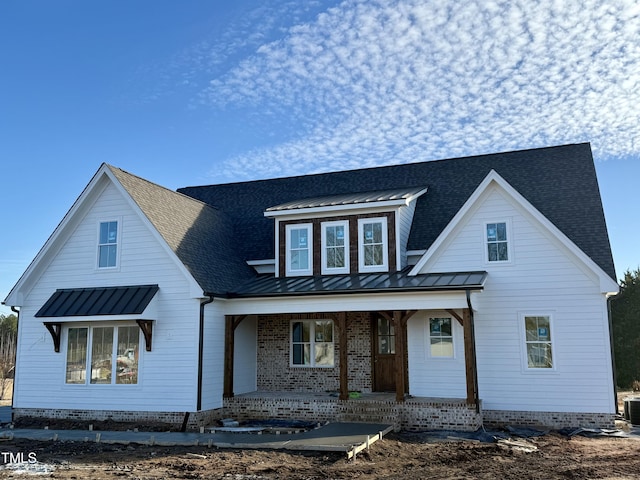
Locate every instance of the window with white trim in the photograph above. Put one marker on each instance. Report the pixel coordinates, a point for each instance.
(108, 244)
(299, 250)
(373, 247)
(312, 343)
(441, 337)
(497, 242)
(335, 247)
(102, 355)
(538, 344)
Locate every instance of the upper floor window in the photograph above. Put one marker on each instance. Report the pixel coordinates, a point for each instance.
(299, 249)
(373, 248)
(497, 243)
(108, 244)
(335, 247)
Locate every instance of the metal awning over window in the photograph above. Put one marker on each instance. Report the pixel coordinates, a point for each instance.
(269, 286)
(74, 302)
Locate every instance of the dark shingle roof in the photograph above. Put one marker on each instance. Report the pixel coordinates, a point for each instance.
(200, 235)
(559, 181)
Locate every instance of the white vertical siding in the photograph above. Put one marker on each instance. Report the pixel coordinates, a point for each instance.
(168, 374)
(245, 366)
(435, 376)
(543, 277)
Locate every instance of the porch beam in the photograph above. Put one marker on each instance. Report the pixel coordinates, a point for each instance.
(231, 323)
(470, 357)
(455, 315)
(341, 318)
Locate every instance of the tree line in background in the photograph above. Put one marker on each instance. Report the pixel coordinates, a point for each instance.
(8, 341)
(625, 317)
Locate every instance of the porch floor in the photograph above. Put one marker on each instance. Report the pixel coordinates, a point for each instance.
(389, 397)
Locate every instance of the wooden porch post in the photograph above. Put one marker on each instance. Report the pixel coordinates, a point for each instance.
(344, 367)
(231, 323)
(470, 357)
(401, 332)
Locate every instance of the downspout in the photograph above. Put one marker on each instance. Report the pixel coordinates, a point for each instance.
(15, 360)
(613, 357)
(475, 359)
(201, 349)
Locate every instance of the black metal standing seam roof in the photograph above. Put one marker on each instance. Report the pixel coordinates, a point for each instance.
(269, 286)
(74, 302)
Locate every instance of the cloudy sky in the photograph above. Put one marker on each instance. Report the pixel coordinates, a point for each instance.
(194, 92)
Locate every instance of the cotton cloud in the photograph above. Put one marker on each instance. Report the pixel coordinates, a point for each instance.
(371, 83)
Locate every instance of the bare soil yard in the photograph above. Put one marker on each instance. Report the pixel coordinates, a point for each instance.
(401, 456)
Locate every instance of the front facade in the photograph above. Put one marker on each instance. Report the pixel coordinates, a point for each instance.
(431, 295)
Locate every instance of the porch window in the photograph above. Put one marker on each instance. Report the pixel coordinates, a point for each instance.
(373, 250)
(538, 341)
(312, 343)
(497, 243)
(299, 249)
(108, 244)
(440, 337)
(335, 247)
(113, 355)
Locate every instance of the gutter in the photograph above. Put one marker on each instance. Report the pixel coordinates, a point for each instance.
(201, 349)
(473, 344)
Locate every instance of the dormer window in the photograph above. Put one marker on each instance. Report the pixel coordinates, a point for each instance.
(335, 247)
(108, 245)
(299, 249)
(373, 246)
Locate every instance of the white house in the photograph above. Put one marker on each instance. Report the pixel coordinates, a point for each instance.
(447, 294)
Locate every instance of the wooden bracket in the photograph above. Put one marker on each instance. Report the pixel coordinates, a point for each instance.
(147, 330)
(455, 315)
(55, 328)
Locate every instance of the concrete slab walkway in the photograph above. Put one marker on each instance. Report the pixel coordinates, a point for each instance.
(349, 438)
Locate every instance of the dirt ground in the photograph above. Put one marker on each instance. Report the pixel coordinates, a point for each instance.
(397, 456)
(401, 456)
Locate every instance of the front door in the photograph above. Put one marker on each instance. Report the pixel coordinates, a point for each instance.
(384, 355)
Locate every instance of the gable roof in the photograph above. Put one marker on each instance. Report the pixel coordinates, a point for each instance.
(560, 182)
(200, 235)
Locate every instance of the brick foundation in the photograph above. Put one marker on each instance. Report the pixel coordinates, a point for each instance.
(196, 420)
(553, 420)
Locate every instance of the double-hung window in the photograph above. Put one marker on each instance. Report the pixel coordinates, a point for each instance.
(108, 244)
(335, 247)
(538, 342)
(373, 248)
(105, 355)
(312, 343)
(440, 337)
(497, 242)
(299, 260)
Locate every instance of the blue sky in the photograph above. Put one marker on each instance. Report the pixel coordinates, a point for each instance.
(196, 92)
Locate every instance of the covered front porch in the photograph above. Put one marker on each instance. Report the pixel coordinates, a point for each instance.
(355, 363)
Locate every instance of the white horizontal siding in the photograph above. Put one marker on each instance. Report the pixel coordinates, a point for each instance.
(543, 277)
(405, 219)
(432, 376)
(168, 374)
(245, 368)
(213, 356)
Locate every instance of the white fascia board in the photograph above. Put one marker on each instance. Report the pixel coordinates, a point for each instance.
(607, 284)
(346, 303)
(254, 263)
(333, 210)
(66, 226)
